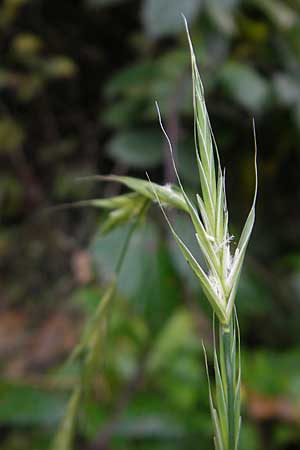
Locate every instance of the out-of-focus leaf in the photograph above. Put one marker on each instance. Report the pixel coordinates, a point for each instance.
(245, 86)
(11, 194)
(186, 161)
(250, 437)
(6, 78)
(222, 13)
(285, 434)
(11, 135)
(59, 149)
(147, 277)
(163, 18)
(279, 12)
(150, 427)
(133, 80)
(296, 114)
(122, 113)
(105, 251)
(60, 67)
(253, 297)
(9, 11)
(65, 186)
(26, 44)
(23, 438)
(177, 334)
(173, 360)
(287, 88)
(162, 287)
(137, 148)
(29, 86)
(138, 86)
(171, 65)
(260, 366)
(92, 343)
(27, 405)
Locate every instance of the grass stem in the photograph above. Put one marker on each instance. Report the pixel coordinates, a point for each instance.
(227, 341)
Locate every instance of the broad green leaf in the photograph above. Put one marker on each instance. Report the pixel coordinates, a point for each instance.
(26, 405)
(161, 18)
(122, 113)
(287, 88)
(133, 81)
(177, 335)
(137, 148)
(259, 367)
(147, 280)
(245, 85)
(185, 157)
(150, 427)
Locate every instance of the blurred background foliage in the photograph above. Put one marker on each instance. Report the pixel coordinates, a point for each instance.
(78, 81)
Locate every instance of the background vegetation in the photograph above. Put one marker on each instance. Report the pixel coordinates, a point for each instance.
(77, 90)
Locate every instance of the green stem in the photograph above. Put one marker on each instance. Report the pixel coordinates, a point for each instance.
(227, 341)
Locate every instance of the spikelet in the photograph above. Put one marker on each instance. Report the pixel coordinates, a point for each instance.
(210, 219)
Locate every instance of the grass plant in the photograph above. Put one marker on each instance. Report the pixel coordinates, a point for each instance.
(219, 277)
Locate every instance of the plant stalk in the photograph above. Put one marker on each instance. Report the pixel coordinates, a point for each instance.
(227, 366)
(227, 340)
